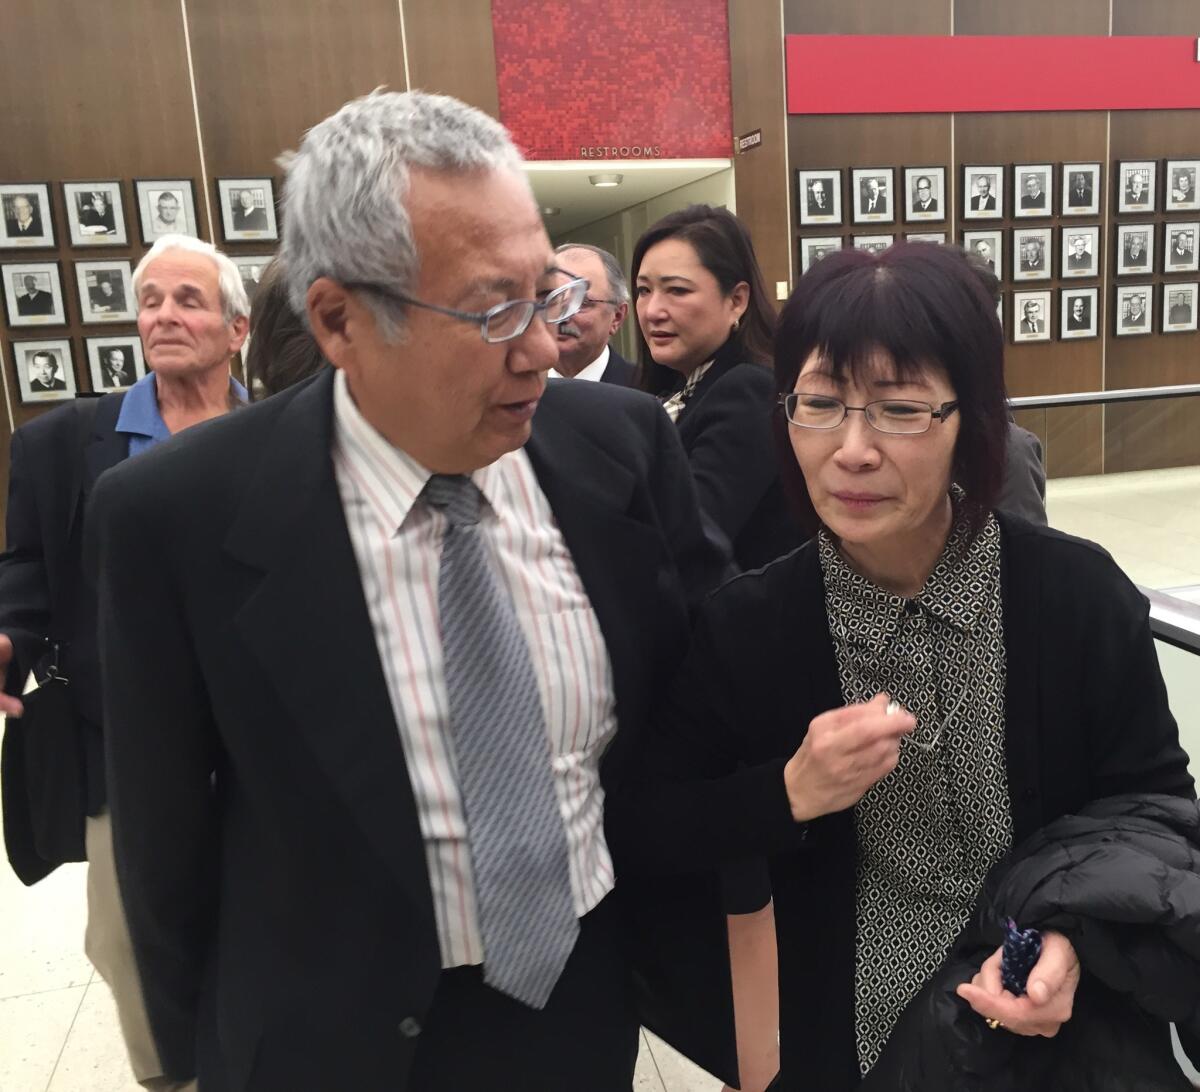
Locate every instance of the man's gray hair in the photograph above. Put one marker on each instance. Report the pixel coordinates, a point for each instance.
(234, 302)
(618, 285)
(344, 199)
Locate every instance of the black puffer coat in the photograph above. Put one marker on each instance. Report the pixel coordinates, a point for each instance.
(1121, 881)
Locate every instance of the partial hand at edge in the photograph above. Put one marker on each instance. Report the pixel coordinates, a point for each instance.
(9, 706)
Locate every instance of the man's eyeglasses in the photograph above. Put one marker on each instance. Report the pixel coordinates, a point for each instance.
(895, 416)
(589, 303)
(507, 320)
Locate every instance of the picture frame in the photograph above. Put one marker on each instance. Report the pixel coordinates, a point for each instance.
(165, 206)
(873, 190)
(1133, 314)
(33, 293)
(1181, 246)
(1033, 254)
(819, 196)
(986, 203)
(1033, 191)
(1081, 184)
(115, 362)
(247, 209)
(876, 244)
(936, 237)
(1080, 252)
(1031, 317)
(251, 267)
(814, 247)
(1136, 185)
(1181, 301)
(95, 213)
(1078, 313)
(106, 291)
(1182, 190)
(26, 216)
(45, 370)
(988, 246)
(1135, 249)
(925, 196)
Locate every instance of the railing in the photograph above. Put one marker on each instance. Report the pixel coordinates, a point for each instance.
(1175, 621)
(1103, 398)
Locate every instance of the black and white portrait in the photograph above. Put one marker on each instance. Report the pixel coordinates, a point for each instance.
(95, 213)
(872, 189)
(1179, 307)
(1135, 185)
(1181, 185)
(166, 207)
(925, 193)
(876, 244)
(1034, 188)
(1081, 189)
(115, 363)
(1133, 309)
(106, 291)
(1031, 316)
(251, 267)
(1033, 257)
(1179, 247)
(813, 249)
(936, 237)
(27, 220)
(988, 247)
(1078, 316)
(45, 370)
(33, 294)
(983, 193)
(1135, 249)
(1080, 251)
(819, 195)
(247, 208)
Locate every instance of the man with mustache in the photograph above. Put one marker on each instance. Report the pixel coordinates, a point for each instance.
(584, 351)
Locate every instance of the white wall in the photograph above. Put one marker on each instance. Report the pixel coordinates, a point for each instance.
(1181, 670)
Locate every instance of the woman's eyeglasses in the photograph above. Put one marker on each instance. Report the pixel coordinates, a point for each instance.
(895, 416)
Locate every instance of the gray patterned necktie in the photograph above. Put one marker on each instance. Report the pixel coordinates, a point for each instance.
(518, 844)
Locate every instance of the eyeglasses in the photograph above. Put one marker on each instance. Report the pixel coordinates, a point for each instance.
(895, 416)
(589, 303)
(507, 320)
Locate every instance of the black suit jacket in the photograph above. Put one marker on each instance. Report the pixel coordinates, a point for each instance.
(254, 220)
(267, 841)
(1075, 199)
(985, 204)
(41, 304)
(14, 229)
(618, 370)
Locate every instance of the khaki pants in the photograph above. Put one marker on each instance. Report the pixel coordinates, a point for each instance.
(107, 944)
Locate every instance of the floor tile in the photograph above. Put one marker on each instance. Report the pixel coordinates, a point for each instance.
(679, 1074)
(94, 1058)
(645, 1076)
(33, 1029)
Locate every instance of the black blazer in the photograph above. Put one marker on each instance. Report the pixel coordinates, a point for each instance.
(1086, 717)
(618, 370)
(726, 432)
(267, 841)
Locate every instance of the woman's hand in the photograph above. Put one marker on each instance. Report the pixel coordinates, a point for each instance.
(1049, 994)
(844, 753)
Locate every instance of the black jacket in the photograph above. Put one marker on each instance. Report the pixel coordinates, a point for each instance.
(1121, 881)
(618, 370)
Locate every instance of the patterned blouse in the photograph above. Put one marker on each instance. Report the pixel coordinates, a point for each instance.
(674, 404)
(928, 833)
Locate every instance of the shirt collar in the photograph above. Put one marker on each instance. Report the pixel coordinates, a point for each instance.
(592, 372)
(140, 415)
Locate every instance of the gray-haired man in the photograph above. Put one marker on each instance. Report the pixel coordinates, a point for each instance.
(584, 351)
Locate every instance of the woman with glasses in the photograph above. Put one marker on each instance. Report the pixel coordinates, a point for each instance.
(893, 709)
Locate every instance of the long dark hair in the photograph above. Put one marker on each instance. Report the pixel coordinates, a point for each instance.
(724, 248)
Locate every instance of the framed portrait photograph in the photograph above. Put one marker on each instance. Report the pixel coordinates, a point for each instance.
(813, 249)
(1135, 185)
(1033, 190)
(1181, 193)
(1135, 249)
(251, 267)
(166, 206)
(1031, 316)
(1080, 251)
(95, 213)
(1179, 247)
(1133, 309)
(115, 363)
(924, 193)
(28, 220)
(983, 192)
(1078, 314)
(33, 293)
(988, 247)
(819, 196)
(45, 370)
(938, 237)
(106, 291)
(1179, 307)
(876, 244)
(247, 208)
(1081, 189)
(871, 190)
(1033, 254)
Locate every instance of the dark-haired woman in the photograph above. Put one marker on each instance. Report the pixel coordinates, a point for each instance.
(895, 708)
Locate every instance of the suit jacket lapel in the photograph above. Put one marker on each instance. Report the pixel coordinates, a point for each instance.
(103, 448)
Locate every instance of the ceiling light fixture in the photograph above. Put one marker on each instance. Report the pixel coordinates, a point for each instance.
(605, 180)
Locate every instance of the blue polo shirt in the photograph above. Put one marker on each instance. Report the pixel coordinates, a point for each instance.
(139, 417)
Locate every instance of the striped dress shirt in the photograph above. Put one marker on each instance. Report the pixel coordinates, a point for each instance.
(397, 540)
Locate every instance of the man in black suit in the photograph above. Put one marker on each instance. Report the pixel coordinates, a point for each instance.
(43, 374)
(820, 203)
(26, 218)
(1136, 191)
(1034, 196)
(1080, 193)
(107, 294)
(246, 216)
(1079, 319)
(1079, 258)
(1030, 323)
(1136, 256)
(317, 797)
(1033, 257)
(924, 201)
(983, 200)
(96, 214)
(1137, 312)
(584, 351)
(873, 198)
(190, 331)
(115, 369)
(1182, 247)
(33, 301)
(1181, 308)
